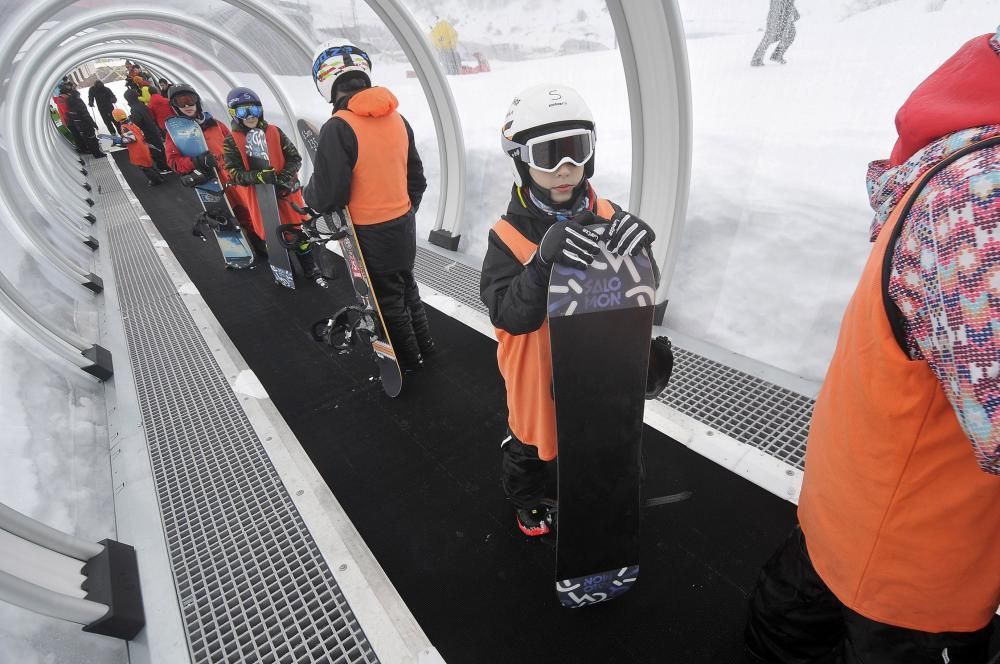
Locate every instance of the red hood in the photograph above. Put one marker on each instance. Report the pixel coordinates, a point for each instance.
(962, 93)
(373, 102)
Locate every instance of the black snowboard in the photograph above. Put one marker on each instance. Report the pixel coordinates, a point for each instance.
(267, 201)
(600, 323)
(385, 356)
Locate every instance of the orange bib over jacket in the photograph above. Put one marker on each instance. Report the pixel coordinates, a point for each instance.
(378, 183)
(286, 213)
(138, 150)
(525, 360)
(900, 521)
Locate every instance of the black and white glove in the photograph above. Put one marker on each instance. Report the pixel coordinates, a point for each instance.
(628, 234)
(205, 162)
(568, 243)
(266, 176)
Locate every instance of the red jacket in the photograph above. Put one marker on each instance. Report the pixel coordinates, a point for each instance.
(135, 141)
(63, 107)
(161, 109)
(215, 134)
(286, 213)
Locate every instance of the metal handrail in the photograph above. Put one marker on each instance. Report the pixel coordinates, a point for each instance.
(654, 55)
(49, 602)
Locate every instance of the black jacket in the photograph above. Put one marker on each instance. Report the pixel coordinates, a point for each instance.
(143, 118)
(514, 295)
(77, 113)
(103, 95)
(387, 247)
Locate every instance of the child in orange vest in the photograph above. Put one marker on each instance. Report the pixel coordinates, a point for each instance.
(248, 113)
(138, 150)
(552, 202)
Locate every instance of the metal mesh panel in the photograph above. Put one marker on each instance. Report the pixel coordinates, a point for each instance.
(251, 582)
(740, 405)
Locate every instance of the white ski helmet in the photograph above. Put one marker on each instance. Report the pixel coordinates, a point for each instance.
(539, 110)
(336, 58)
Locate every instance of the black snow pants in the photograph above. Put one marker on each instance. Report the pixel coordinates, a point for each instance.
(522, 474)
(113, 127)
(404, 315)
(88, 138)
(794, 618)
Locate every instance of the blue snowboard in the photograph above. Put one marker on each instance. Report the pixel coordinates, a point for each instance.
(236, 251)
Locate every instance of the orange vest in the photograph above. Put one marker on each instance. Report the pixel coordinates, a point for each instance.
(286, 213)
(378, 183)
(900, 521)
(138, 151)
(525, 360)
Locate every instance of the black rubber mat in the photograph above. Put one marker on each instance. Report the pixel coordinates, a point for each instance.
(418, 476)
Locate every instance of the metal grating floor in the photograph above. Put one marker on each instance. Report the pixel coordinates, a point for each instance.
(250, 579)
(742, 406)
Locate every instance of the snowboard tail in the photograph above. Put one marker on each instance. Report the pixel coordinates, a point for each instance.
(595, 588)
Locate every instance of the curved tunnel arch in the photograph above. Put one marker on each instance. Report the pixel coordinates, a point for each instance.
(651, 44)
(89, 20)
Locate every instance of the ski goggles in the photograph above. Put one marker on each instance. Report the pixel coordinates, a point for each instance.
(184, 101)
(550, 151)
(247, 111)
(321, 70)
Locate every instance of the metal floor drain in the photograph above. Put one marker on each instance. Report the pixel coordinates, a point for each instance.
(251, 581)
(742, 406)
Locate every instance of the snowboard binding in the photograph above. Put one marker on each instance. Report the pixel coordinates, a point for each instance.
(195, 178)
(343, 329)
(213, 222)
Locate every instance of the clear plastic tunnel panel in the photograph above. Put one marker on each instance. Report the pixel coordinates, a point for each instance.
(777, 226)
(54, 445)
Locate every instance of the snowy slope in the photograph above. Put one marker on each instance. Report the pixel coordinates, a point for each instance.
(778, 215)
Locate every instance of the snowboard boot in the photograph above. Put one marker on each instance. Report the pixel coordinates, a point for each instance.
(779, 58)
(533, 522)
(310, 268)
(407, 354)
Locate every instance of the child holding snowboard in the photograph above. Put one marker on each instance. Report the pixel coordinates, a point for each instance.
(367, 162)
(138, 150)
(187, 104)
(247, 113)
(549, 134)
